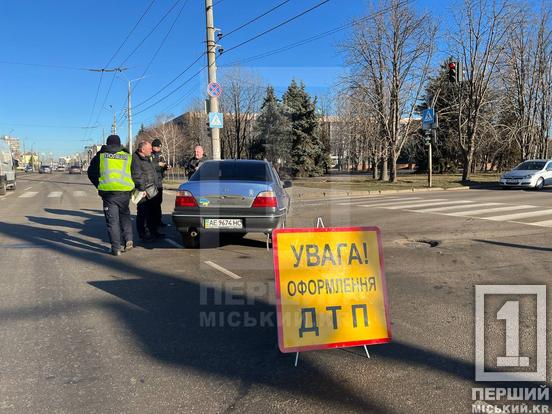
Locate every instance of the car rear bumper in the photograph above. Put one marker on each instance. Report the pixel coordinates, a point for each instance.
(263, 221)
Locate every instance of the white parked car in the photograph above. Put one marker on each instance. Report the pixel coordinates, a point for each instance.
(529, 174)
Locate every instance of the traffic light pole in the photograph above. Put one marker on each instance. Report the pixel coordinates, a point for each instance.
(212, 70)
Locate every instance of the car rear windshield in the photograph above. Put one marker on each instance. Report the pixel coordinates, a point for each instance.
(531, 165)
(232, 171)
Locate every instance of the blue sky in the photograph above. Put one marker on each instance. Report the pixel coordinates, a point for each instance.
(49, 107)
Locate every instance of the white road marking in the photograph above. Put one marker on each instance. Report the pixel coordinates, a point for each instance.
(79, 194)
(437, 209)
(374, 200)
(175, 244)
(545, 223)
(442, 203)
(490, 210)
(403, 204)
(28, 188)
(222, 269)
(28, 194)
(55, 194)
(516, 216)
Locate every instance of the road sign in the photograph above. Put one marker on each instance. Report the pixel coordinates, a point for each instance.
(330, 288)
(214, 89)
(428, 118)
(216, 120)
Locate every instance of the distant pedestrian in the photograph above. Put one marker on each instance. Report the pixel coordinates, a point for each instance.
(110, 172)
(195, 162)
(160, 165)
(145, 180)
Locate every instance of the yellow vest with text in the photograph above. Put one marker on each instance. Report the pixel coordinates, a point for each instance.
(115, 172)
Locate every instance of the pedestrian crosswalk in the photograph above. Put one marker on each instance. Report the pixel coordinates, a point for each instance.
(55, 194)
(527, 214)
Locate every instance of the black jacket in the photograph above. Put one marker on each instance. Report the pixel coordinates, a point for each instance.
(193, 164)
(156, 158)
(143, 172)
(94, 167)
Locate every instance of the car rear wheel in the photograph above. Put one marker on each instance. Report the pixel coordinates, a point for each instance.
(540, 184)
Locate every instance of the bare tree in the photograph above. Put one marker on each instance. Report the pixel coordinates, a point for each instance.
(240, 103)
(390, 54)
(477, 43)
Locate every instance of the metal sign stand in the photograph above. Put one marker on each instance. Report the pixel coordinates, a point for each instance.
(320, 224)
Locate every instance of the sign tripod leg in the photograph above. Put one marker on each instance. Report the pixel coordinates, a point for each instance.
(296, 358)
(367, 353)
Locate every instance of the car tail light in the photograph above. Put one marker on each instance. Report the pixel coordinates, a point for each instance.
(265, 199)
(185, 199)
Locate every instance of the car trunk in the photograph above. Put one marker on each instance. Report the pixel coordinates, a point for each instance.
(225, 194)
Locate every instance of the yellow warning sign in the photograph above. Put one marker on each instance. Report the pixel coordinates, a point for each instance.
(330, 288)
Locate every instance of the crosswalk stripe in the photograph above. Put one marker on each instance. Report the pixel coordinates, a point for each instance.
(441, 203)
(545, 223)
(490, 210)
(54, 194)
(402, 204)
(376, 201)
(79, 194)
(517, 216)
(460, 206)
(28, 194)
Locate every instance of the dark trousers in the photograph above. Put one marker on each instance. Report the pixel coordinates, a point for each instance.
(157, 213)
(117, 217)
(145, 218)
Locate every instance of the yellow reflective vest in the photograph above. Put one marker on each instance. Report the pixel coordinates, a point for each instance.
(115, 172)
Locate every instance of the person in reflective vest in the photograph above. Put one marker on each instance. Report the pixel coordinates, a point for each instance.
(110, 172)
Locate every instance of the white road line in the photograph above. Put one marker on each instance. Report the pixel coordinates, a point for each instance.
(376, 200)
(490, 210)
(545, 223)
(175, 244)
(517, 216)
(403, 204)
(28, 188)
(437, 209)
(28, 194)
(222, 269)
(79, 194)
(55, 194)
(441, 203)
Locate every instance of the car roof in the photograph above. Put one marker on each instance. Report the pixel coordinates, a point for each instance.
(238, 161)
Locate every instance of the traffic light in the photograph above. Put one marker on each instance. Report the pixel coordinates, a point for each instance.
(452, 73)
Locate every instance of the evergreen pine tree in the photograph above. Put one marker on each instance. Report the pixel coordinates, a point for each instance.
(271, 131)
(307, 153)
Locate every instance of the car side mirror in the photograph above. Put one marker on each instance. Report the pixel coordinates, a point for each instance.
(288, 184)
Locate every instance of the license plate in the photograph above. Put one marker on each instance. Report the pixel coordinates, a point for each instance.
(511, 182)
(223, 223)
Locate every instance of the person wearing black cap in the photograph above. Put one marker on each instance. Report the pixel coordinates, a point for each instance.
(110, 172)
(160, 165)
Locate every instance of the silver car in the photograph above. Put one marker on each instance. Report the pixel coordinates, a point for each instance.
(529, 174)
(231, 196)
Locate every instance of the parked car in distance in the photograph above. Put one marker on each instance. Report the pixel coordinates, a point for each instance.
(60, 168)
(231, 196)
(75, 169)
(535, 174)
(45, 169)
(29, 168)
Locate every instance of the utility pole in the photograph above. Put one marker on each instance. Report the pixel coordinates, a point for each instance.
(129, 118)
(114, 125)
(212, 70)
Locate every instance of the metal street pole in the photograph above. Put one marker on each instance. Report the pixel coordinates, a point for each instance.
(212, 70)
(129, 118)
(430, 162)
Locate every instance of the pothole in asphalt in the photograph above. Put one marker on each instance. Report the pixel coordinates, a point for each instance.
(419, 243)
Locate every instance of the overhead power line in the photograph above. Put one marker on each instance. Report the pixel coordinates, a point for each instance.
(255, 18)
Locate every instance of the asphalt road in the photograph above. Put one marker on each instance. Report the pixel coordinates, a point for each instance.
(83, 331)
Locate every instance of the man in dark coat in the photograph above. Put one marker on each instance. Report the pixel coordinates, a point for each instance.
(145, 180)
(160, 166)
(109, 171)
